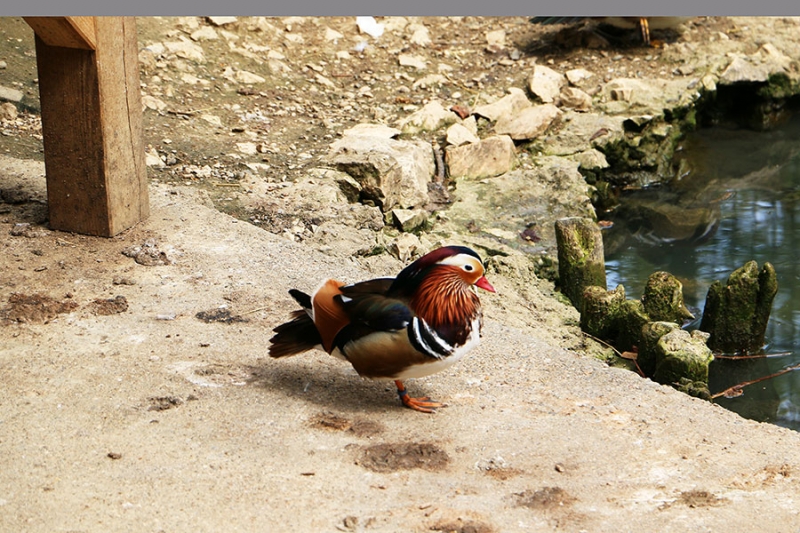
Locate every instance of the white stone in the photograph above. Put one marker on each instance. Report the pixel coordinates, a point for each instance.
(546, 83)
(496, 39)
(247, 148)
(487, 158)
(419, 35)
(430, 117)
(151, 102)
(511, 104)
(10, 95)
(221, 21)
(458, 134)
(214, 120)
(372, 130)
(408, 60)
(206, 33)
(574, 98)
(8, 111)
(243, 76)
(529, 123)
(332, 35)
(369, 26)
(390, 172)
(578, 76)
(152, 159)
(186, 50)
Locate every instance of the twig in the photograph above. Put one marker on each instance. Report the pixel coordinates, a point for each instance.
(758, 356)
(253, 311)
(601, 341)
(440, 170)
(736, 390)
(193, 112)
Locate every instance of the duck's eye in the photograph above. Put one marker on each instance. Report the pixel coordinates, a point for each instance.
(468, 268)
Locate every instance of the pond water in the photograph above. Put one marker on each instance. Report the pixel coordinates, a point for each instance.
(739, 202)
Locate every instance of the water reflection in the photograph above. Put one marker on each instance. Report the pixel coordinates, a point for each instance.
(741, 203)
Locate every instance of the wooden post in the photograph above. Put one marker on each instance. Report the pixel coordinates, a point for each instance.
(91, 123)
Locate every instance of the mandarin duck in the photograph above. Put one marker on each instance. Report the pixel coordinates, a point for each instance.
(642, 24)
(411, 326)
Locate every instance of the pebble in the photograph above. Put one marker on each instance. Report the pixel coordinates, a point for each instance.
(408, 60)
(10, 95)
(8, 111)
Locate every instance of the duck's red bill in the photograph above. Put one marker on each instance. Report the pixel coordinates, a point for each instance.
(484, 284)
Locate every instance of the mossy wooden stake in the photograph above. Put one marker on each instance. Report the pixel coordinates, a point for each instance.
(581, 261)
(736, 314)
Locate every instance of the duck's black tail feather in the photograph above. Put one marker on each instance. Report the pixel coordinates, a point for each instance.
(294, 337)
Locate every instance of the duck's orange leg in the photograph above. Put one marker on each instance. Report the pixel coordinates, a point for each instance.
(423, 404)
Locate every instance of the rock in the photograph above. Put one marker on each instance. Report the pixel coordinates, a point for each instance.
(151, 102)
(578, 76)
(247, 148)
(325, 82)
(8, 111)
(663, 299)
(214, 120)
(248, 78)
(391, 173)
(186, 50)
(545, 83)
(683, 359)
(579, 131)
(372, 130)
(408, 60)
(404, 246)
(409, 219)
(757, 67)
(528, 123)
(206, 33)
(471, 124)
(496, 40)
(395, 24)
(521, 202)
(26, 229)
(458, 134)
(3, 64)
(429, 81)
(332, 35)
(736, 314)
(741, 70)
(147, 254)
(490, 157)
(10, 95)
(430, 117)
(590, 160)
(369, 26)
(509, 105)
(222, 21)
(581, 262)
(419, 34)
(152, 159)
(573, 98)
(646, 97)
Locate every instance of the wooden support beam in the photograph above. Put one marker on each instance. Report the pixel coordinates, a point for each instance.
(68, 32)
(92, 128)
